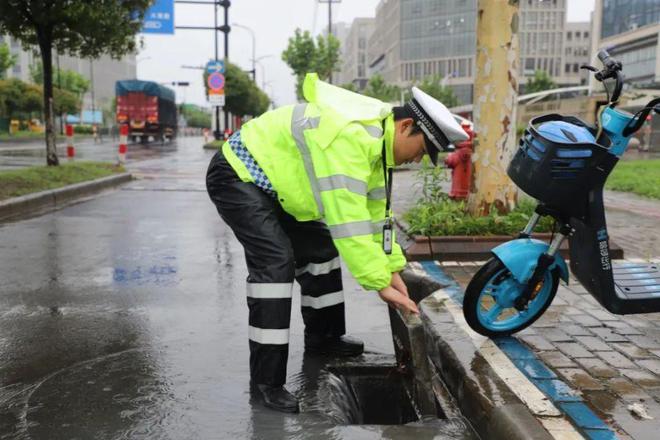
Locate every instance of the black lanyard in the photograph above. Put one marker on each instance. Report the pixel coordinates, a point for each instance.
(387, 175)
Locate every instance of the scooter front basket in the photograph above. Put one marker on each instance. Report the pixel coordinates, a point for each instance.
(559, 174)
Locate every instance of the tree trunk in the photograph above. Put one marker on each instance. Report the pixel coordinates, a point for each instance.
(46, 48)
(495, 105)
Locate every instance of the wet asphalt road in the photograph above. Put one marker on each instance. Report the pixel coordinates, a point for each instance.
(33, 153)
(125, 316)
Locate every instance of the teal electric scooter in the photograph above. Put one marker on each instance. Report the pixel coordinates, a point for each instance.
(563, 163)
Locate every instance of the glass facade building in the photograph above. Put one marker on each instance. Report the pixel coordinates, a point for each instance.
(439, 37)
(630, 31)
(621, 16)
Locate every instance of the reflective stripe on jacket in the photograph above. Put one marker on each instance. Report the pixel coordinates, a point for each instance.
(327, 164)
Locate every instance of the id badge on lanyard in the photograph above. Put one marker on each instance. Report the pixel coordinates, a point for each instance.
(387, 236)
(387, 227)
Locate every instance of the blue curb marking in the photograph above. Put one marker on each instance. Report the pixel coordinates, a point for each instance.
(561, 394)
(452, 288)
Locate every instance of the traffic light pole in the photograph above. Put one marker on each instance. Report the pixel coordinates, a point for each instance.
(217, 133)
(226, 29)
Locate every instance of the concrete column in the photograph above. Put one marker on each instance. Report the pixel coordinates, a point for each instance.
(596, 26)
(657, 60)
(495, 104)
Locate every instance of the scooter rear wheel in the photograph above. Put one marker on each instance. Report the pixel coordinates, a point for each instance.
(488, 305)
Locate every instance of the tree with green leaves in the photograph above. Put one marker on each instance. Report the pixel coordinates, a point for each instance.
(7, 59)
(19, 99)
(65, 79)
(242, 96)
(350, 87)
(66, 102)
(539, 82)
(73, 88)
(304, 55)
(196, 116)
(433, 86)
(85, 28)
(379, 89)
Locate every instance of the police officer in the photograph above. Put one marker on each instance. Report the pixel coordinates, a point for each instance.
(301, 186)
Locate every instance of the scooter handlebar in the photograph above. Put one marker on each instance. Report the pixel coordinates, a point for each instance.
(612, 70)
(608, 62)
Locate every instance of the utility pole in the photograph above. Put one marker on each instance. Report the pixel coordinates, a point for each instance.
(91, 79)
(330, 3)
(495, 106)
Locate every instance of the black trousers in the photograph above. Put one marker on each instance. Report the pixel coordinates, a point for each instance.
(278, 249)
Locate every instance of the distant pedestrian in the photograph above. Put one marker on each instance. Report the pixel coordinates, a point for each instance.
(301, 186)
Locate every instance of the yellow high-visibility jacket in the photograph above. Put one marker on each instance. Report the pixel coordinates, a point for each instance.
(324, 160)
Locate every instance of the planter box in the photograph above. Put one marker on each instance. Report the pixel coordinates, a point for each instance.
(469, 248)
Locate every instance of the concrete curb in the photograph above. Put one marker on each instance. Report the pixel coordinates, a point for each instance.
(55, 198)
(491, 407)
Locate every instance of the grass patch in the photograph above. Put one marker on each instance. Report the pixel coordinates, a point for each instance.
(449, 217)
(30, 135)
(16, 183)
(214, 145)
(640, 177)
(21, 135)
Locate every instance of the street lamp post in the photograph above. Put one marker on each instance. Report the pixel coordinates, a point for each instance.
(263, 70)
(254, 71)
(330, 3)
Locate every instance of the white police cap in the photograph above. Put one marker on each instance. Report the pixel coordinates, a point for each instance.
(437, 123)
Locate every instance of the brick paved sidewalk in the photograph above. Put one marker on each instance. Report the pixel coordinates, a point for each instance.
(612, 361)
(634, 224)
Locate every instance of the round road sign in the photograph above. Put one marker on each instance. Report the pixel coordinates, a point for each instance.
(216, 81)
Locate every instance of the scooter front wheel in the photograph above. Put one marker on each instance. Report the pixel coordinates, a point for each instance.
(488, 305)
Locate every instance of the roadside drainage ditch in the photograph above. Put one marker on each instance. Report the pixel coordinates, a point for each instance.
(400, 390)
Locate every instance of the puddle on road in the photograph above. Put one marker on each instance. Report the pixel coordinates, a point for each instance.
(179, 394)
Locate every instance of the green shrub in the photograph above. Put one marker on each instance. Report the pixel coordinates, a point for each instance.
(449, 217)
(83, 129)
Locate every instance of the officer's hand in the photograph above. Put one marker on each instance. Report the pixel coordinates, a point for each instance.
(397, 299)
(398, 283)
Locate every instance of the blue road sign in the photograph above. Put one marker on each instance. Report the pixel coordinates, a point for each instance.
(159, 19)
(215, 66)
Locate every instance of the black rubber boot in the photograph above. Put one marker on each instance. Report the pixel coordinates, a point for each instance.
(335, 345)
(278, 398)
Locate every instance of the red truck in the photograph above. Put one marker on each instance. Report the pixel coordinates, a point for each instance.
(148, 109)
